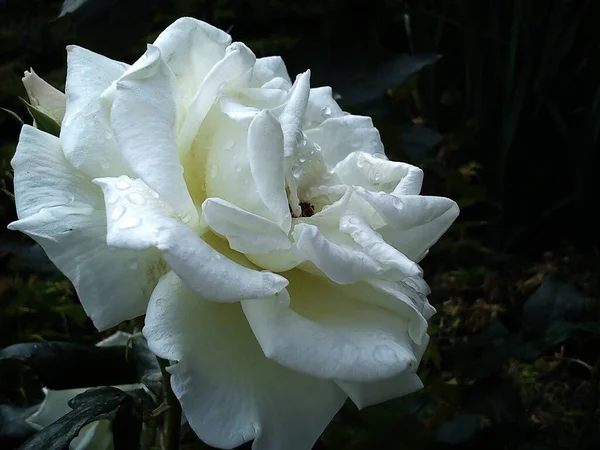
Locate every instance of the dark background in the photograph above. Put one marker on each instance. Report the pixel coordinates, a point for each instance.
(498, 101)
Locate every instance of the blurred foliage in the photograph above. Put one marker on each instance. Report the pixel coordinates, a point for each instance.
(506, 122)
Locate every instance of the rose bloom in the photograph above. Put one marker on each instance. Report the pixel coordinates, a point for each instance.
(270, 243)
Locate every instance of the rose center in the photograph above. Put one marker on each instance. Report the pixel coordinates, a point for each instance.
(307, 210)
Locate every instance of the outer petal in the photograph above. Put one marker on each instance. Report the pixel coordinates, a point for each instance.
(139, 220)
(143, 118)
(45, 96)
(415, 222)
(63, 212)
(339, 136)
(246, 232)
(326, 332)
(229, 392)
(191, 48)
(367, 394)
(86, 136)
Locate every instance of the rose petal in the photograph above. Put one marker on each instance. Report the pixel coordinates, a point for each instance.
(339, 136)
(63, 211)
(321, 106)
(327, 333)
(268, 68)
(143, 118)
(137, 225)
(246, 232)
(236, 65)
(414, 222)
(230, 393)
(341, 264)
(191, 48)
(367, 394)
(265, 154)
(86, 135)
(397, 264)
(378, 173)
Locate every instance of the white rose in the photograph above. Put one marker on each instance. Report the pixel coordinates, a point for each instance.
(270, 243)
(96, 435)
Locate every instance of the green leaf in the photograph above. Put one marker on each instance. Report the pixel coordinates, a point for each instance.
(43, 121)
(554, 301)
(13, 114)
(92, 405)
(62, 365)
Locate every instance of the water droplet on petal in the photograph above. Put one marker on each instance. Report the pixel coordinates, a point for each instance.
(228, 144)
(117, 212)
(136, 198)
(123, 182)
(238, 169)
(379, 155)
(214, 171)
(302, 159)
(108, 135)
(154, 194)
(354, 220)
(112, 198)
(303, 139)
(385, 354)
(326, 111)
(296, 171)
(133, 265)
(105, 164)
(130, 222)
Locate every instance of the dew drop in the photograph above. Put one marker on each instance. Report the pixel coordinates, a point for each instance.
(228, 144)
(108, 135)
(326, 111)
(317, 148)
(112, 198)
(354, 220)
(296, 171)
(302, 159)
(154, 194)
(385, 354)
(105, 164)
(238, 169)
(379, 155)
(214, 170)
(136, 198)
(117, 213)
(133, 265)
(123, 182)
(130, 222)
(303, 139)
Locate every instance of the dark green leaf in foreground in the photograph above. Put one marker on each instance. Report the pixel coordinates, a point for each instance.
(62, 365)
(95, 404)
(14, 429)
